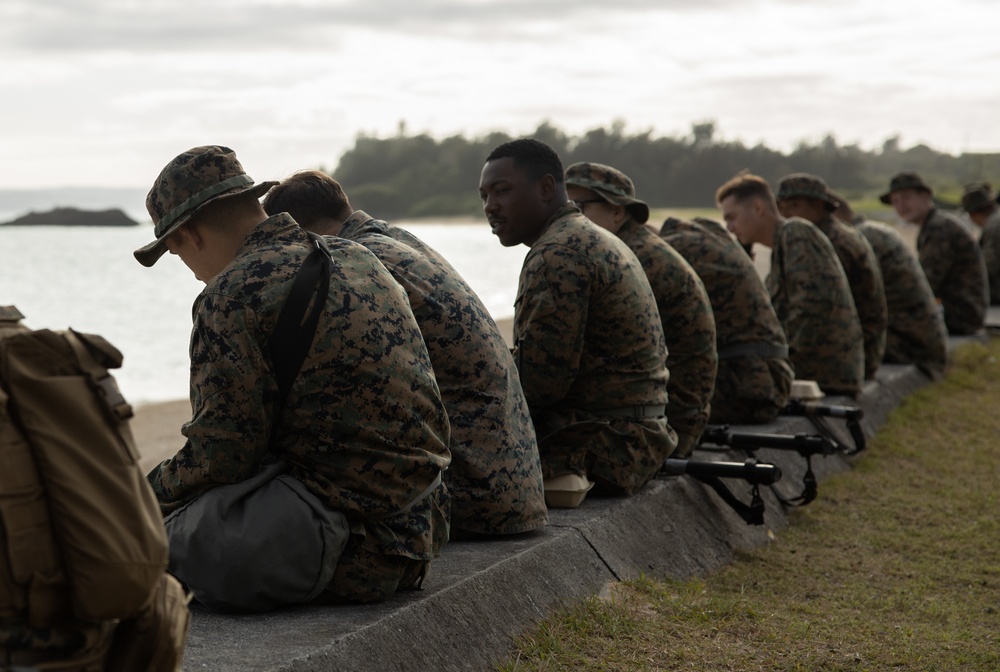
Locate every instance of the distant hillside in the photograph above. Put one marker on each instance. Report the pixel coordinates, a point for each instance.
(73, 217)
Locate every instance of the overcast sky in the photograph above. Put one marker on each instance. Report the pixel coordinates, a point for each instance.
(105, 92)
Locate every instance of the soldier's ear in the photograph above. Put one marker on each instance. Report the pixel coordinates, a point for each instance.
(547, 188)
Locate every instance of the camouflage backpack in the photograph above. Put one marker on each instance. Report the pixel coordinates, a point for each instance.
(82, 544)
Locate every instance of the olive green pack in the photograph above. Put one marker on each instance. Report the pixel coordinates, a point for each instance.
(81, 536)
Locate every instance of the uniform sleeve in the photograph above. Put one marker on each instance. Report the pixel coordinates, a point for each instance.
(550, 317)
(231, 386)
(812, 273)
(936, 256)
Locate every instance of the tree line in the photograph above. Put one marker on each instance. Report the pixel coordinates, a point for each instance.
(417, 175)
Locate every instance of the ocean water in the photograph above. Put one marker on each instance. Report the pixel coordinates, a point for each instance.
(86, 278)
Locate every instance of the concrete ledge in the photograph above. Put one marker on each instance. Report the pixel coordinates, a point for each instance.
(480, 594)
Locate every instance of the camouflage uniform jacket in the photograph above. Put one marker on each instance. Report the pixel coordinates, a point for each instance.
(865, 279)
(990, 244)
(688, 328)
(811, 296)
(954, 266)
(750, 387)
(495, 477)
(589, 343)
(366, 430)
(916, 333)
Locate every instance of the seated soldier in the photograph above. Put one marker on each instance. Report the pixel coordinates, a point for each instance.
(495, 477)
(363, 428)
(808, 288)
(588, 341)
(807, 196)
(754, 376)
(951, 259)
(607, 197)
(916, 333)
(979, 201)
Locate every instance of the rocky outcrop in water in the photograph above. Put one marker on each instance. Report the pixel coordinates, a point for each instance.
(73, 217)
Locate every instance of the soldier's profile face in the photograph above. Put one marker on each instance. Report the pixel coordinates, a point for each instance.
(810, 209)
(912, 205)
(740, 218)
(513, 202)
(594, 208)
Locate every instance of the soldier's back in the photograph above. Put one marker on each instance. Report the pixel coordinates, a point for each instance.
(954, 266)
(915, 333)
(754, 374)
(813, 301)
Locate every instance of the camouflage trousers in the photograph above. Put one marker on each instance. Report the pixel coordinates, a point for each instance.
(363, 576)
(620, 455)
(750, 390)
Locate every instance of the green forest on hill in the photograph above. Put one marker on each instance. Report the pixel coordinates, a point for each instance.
(416, 175)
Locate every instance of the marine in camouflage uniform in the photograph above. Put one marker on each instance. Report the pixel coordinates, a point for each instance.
(495, 477)
(807, 196)
(755, 376)
(607, 197)
(950, 257)
(589, 343)
(979, 201)
(916, 333)
(807, 285)
(364, 427)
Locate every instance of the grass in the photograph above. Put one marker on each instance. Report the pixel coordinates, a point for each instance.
(895, 567)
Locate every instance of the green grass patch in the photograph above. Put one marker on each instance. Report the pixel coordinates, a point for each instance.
(895, 567)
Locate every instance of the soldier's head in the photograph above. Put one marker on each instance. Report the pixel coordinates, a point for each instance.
(979, 201)
(804, 195)
(605, 195)
(909, 196)
(748, 208)
(521, 187)
(314, 199)
(202, 205)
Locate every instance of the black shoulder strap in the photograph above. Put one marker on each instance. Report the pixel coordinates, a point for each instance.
(292, 336)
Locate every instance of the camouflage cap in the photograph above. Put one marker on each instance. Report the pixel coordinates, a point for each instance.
(977, 196)
(192, 180)
(905, 180)
(804, 185)
(609, 183)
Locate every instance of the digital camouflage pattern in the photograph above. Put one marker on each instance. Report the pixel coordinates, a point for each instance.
(589, 343)
(989, 242)
(495, 477)
(864, 276)
(954, 266)
(915, 333)
(749, 388)
(367, 432)
(688, 329)
(192, 180)
(812, 299)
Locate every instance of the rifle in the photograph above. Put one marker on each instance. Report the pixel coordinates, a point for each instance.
(709, 472)
(815, 411)
(805, 445)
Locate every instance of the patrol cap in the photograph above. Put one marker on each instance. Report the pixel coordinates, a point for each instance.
(905, 180)
(977, 196)
(191, 181)
(804, 185)
(609, 183)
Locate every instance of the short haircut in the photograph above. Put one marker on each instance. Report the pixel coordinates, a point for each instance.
(308, 196)
(745, 185)
(532, 156)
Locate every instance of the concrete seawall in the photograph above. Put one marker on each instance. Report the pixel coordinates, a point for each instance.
(480, 594)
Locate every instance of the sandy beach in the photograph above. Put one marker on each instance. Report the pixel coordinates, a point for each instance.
(157, 427)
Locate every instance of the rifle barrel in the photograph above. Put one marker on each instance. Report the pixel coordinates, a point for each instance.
(750, 471)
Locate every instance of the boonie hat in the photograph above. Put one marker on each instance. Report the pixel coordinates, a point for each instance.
(977, 196)
(609, 183)
(191, 181)
(805, 185)
(905, 180)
